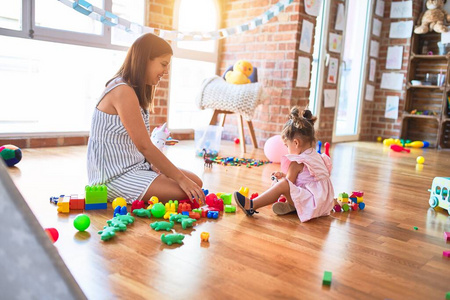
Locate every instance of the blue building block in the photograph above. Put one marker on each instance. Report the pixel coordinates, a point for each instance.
(212, 214)
(186, 213)
(95, 206)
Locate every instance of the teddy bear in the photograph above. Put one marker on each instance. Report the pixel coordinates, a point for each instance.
(242, 69)
(433, 18)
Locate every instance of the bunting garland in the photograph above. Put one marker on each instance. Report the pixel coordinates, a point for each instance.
(113, 20)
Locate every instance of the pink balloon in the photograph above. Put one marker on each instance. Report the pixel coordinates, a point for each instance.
(274, 148)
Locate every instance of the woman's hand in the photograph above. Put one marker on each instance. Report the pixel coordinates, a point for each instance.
(192, 190)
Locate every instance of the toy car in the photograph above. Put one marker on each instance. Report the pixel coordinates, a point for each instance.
(439, 193)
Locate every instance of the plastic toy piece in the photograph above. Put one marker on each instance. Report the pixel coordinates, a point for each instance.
(205, 213)
(63, 207)
(253, 196)
(119, 201)
(76, 203)
(96, 194)
(416, 228)
(184, 207)
(337, 208)
(126, 219)
(319, 146)
(446, 253)
(398, 148)
(418, 144)
(170, 209)
(212, 214)
(153, 200)
(354, 206)
(162, 225)
(447, 236)
(205, 191)
(439, 193)
(194, 215)
(204, 236)
(116, 223)
(137, 204)
(54, 200)
(226, 198)
(185, 213)
(172, 238)
(230, 208)
(447, 296)
(244, 191)
(158, 210)
(107, 233)
(193, 203)
(187, 222)
(120, 210)
(142, 212)
(94, 206)
(52, 233)
(327, 148)
(81, 222)
(178, 217)
(361, 205)
(213, 202)
(326, 278)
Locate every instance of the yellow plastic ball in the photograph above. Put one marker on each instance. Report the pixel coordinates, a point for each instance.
(379, 139)
(420, 160)
(119, 201)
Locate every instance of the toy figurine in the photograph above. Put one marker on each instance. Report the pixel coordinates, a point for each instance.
(116, 223)
(162, 225)
(177, 217)
(208, 161)
(187, 222)
(107, 233)
(204, 236)
(159, 136)
(172, 238)
(126, 219)
(142, 212)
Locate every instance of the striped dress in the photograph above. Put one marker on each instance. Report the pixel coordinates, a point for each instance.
(112, 157)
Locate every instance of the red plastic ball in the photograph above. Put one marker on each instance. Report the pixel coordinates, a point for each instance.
(236, 141)
(52, 234)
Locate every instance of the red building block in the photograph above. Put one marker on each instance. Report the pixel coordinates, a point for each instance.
(76, 203)
(204, 213)
(194, 215)
(194, 204)
(184, 207)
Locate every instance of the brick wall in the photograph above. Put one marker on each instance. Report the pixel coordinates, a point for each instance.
(273, 49)
(379, 125)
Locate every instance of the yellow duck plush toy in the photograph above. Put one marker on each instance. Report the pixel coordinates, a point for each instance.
(241, 70)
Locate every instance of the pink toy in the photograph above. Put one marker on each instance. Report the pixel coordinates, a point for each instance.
(398, 148)
(327, 148)
(137, 204)
(274, 148)
(447, 236)
(446, 253)
(52, 233)
(213, 202)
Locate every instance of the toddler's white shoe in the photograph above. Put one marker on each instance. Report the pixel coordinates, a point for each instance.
(282, 208)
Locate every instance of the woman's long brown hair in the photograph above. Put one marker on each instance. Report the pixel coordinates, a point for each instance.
(132, 71)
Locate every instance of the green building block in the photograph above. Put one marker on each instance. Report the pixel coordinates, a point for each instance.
(230, 208)
(226, 198)
(447, 296)
(326, 278)
(96, 194)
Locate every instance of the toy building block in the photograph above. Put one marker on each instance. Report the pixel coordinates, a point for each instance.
(194, 215)
(184, 207)
(94, 206)
(244, 191)
(446, 253)
(447, 296)
(326, 278)
(107, 233)
(76, 202)
(230, 208)
(120, 210)
(137, 204)
(172, 238)
(187, 222)
(205, 191)
(213, 202)
(212, 214)
(337, 208)
(142, 212)
(204, 236)
(343, 197)
(63, 204)
(197, 210)
(96, 194)
(162, 225)
(362, 205)
(219, 194)
(447, 236)
(253, 196)
(54, 200)
(226, 198)
(357, 194)
(170, 209)
(205, 213)
(185, 213)
(193, 203)
(354, 206)
(178, 217)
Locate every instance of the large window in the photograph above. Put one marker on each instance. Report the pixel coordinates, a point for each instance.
(193, 62)
(55, 61)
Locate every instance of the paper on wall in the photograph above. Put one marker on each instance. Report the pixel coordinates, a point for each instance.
(379, 9)
(392, 81)
(376, 29)
(303, 72)
(307, 36)
(401, 30)
(340, 17)
(374, 48)
(401, 9)
(370, 92)
(372, 69)
(391, 111)
(329, 98)
(394, 57)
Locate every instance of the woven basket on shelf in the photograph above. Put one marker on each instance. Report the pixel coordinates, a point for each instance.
(216, 93)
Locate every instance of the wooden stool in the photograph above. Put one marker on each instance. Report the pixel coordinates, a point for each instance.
(240, 124)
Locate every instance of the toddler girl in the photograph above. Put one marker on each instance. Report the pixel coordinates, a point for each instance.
(305, 177)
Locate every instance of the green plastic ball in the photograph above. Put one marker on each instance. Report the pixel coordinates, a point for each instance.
(158, 210)
(81, 222)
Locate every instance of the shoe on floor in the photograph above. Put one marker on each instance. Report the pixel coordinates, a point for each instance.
(282, 208)
(240, 201)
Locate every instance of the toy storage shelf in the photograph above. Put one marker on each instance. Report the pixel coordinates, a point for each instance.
(427, 114)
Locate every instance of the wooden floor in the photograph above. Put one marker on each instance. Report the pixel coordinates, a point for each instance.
(373, 254)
